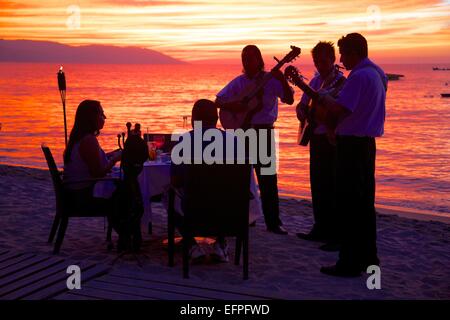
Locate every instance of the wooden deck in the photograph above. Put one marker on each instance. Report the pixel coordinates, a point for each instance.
(29, 276)
(142, 286)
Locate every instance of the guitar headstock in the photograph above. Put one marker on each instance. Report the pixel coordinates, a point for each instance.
(292, 55)
(293, 75)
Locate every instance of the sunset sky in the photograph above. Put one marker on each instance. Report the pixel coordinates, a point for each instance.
(196, 30)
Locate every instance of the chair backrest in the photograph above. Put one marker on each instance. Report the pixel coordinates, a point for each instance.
(56, 178)
(216, 198)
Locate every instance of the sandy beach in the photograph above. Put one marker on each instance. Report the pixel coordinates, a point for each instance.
(415, 254)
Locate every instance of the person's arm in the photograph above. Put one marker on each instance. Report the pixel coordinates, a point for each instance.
(329, 111)
(232, 106)
(226, 98)
(288, 93)
(346, 103)
(90, 153)
(113, 153)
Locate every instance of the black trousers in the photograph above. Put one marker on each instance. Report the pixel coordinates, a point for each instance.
(355, 173)
(268, 183)
(322, 178)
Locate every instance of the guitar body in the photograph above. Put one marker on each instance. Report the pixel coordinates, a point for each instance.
(239, 119)
(242, 118)
(306, 128)
(251, 97)
(305, 131)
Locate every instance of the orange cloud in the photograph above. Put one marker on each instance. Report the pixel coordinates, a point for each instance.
(200, 29)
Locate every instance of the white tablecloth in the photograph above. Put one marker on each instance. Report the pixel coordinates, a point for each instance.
(155, 180)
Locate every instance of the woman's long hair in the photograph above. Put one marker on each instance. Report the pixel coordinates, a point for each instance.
(252, 47)
(86, 122)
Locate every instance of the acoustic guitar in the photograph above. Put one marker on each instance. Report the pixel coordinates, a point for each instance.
(332, 88)
(306, 127)
(250, 97)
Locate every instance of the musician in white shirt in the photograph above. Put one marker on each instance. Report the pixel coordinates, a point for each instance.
(264, 119)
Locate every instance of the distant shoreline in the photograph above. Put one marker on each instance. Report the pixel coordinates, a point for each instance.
(55, 52)
(410, 213)
(236, 63)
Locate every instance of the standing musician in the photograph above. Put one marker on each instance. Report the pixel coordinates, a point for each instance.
(357, 117)
(322, 146)
(359, 113)
(263, 119)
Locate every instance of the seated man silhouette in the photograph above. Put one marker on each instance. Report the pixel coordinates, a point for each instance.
(204, 111)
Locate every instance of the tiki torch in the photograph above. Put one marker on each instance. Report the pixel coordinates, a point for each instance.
(62, 92)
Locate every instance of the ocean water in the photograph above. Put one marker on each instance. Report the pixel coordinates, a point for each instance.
(413, 157)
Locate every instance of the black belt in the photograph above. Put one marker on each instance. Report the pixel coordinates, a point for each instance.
(353, 138)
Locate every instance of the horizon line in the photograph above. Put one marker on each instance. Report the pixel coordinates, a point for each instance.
(391, 57)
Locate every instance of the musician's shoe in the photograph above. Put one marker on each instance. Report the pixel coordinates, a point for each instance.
(278, 230)
(312, 236)
(370, 262)
(344, 270)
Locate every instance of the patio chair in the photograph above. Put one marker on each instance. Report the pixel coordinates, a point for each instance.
(215, 202)
(65, 209)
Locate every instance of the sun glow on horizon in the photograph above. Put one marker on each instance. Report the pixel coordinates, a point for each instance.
(193, 30)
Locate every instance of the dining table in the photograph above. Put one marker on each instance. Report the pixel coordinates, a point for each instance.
(154, 180)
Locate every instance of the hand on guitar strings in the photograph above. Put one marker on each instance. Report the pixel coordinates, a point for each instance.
(277, 74)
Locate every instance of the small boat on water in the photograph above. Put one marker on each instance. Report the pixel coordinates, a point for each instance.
(445, 95)
(440, 69)
(394, 76)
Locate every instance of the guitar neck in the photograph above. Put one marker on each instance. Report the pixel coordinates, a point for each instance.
(265, 79)
(260, 84)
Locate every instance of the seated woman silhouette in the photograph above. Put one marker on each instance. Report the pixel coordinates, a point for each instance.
(84, 159)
